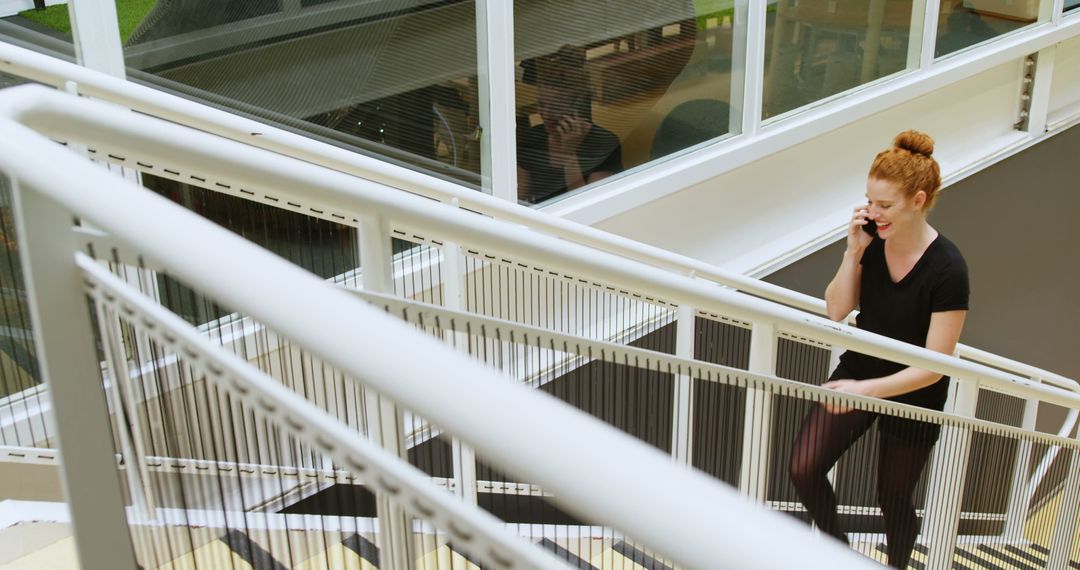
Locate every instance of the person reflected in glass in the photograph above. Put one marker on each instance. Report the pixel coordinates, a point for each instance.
(567, 150)
(963, 28)
(910, 283)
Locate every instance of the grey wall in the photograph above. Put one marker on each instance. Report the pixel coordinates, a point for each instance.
(1018, 225)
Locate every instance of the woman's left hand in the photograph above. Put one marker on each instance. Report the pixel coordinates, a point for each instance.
(857, 387)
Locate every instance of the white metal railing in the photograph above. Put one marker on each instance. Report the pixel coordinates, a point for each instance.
(225, 162)
(690, 519)
(49, 70)
(204, 156)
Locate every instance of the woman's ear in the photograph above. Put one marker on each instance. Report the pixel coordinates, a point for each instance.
(919, 200)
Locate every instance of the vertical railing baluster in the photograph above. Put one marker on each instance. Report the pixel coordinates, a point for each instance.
(384, 419)
(69, 366)
(1061, 542)
(948, 472)
(131, 442)
(453, 282)
(682, 432)
(757, 425)
(1019, 498)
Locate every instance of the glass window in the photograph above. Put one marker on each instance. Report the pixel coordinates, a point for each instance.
(964, 23)
(1071, 5)
(47, 31)
(392, 78)
(606, 86)
(818, 48)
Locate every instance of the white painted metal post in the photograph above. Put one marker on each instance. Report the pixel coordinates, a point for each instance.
(95, 30)
(917, 30)
(1061, 542)
(453, 280)
(1039, 105)
(384, 420)
(1019, 490)
(748, 66)
(929, 34)
(1051, 10)
(682, 431)
(63, 335)
(757, 425)
(948, 472)
(495, 81)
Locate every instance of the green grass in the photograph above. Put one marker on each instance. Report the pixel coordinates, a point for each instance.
(128, 14)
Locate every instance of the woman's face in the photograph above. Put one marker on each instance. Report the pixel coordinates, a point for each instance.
(890, 209)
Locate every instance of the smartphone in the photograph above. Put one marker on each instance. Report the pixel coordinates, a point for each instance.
(870, 227)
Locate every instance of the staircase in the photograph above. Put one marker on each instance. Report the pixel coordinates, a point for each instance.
(223, 399)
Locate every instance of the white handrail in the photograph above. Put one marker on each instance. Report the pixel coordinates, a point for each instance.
(62, 116)
(621, 353)
(37, 67)
(691, 517)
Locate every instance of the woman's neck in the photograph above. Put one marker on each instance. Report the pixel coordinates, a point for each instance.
(921, 235)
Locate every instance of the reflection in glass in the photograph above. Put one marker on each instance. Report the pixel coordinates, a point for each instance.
(964, 23)
(818, 48)
(1071, 5)
(45, 31)
(393, 78)
(607, 86)
(18, 360)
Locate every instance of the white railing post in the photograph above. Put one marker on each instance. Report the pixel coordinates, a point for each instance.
(682, 430)
(948, 472)
(757, 425)
(1061, 542)
(131, 440)
(1019, 490)
(385, 423)
(64, 337)
(453, 280)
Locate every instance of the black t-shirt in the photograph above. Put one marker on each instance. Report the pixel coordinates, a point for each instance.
(599, 151)
(938, 282)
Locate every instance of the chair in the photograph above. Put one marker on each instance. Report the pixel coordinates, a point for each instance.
(690, 123)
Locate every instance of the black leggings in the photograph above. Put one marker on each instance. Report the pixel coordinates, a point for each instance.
(824, 437)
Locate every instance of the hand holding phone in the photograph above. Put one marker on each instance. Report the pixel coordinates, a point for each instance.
(870, 227)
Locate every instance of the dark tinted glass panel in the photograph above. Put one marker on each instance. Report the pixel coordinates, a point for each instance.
(392, 78)
(817, 48)
(606, 86)
(964, 23)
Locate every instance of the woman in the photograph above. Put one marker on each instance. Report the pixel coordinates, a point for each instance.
(911, 284)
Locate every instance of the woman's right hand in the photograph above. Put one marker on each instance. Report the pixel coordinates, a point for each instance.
(857, 238)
